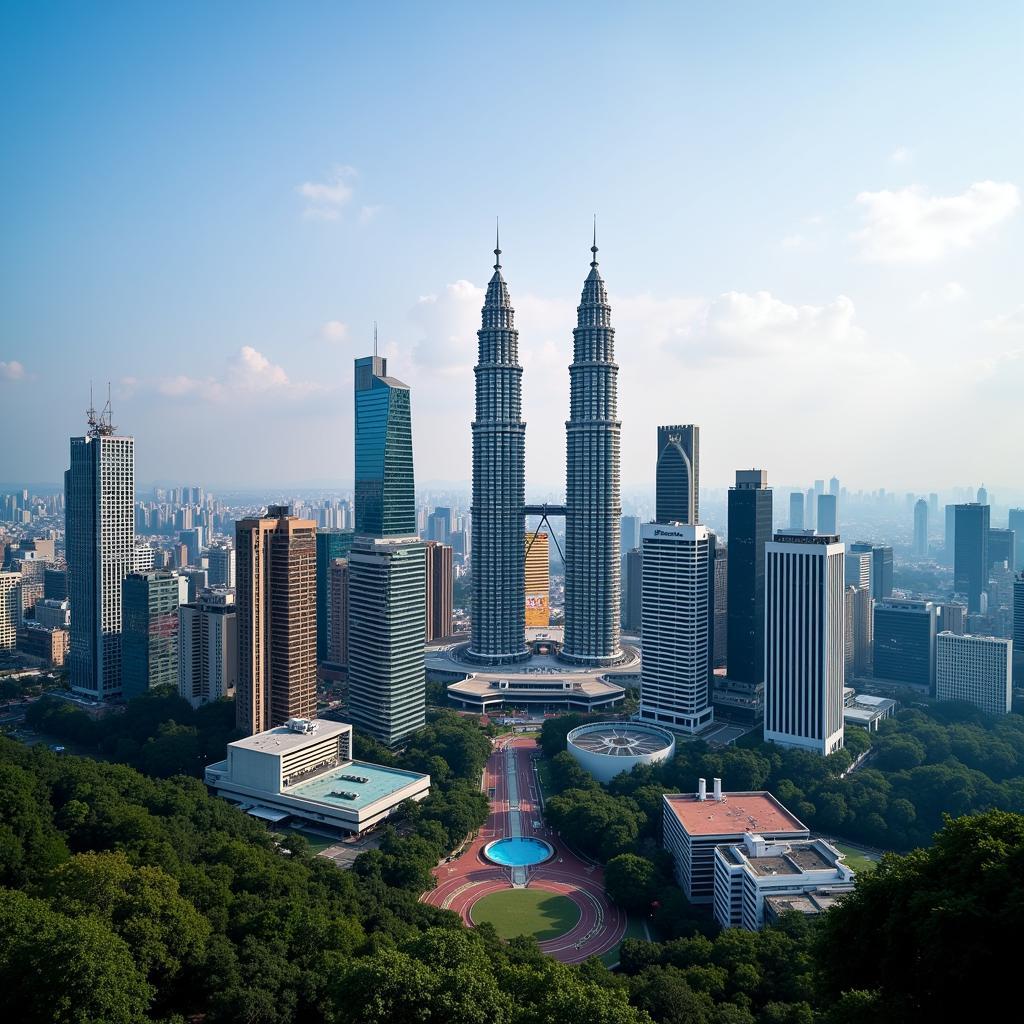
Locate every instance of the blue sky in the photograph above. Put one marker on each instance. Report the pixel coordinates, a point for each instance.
(809, 219)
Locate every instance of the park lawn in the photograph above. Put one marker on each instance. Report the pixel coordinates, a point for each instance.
(317, 843)
(544, 915)
(861, 862)
(634, 930)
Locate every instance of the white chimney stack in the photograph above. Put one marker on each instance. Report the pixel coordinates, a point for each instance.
(702, 790)
(718, 789)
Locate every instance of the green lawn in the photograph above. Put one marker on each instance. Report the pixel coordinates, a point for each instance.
(317, 843)
(857, 859)
(544, 915)
(634, 930)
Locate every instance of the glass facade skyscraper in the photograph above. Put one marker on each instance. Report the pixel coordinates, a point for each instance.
(149, 638)
(904, 641)
(677, 480)
(330, 544)
(970, 555)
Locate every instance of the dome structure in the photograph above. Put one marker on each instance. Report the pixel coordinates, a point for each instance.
(606, 749)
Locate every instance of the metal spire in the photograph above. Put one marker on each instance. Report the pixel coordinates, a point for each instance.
(497, 244)
(375, 339)
(593, 248)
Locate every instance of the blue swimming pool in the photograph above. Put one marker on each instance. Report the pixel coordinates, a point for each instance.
(518, 853)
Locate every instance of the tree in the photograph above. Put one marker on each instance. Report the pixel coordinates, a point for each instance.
(631, 881)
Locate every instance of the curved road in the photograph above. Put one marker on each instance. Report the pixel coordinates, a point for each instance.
(460, 883)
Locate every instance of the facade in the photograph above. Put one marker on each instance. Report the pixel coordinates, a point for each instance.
(629, 530)
(695, 824)
(748, 873)
(100, 536)
(904, 648)
(538, 580)
(952, 618)
(499, 452)
(828, 514)
(10, 609)
(804, 641)
(1015, 521)
(330, 545)
(677, 625)
(881, 567)
(304, 769)
(677, 476)
(859, 644)
(920, 546)
(632, 590)
(47, 642)
(750, 529)
(438, 593)
(720, 606)
(592, 491)
(607, 749)
(970, 553)
(866, 711)
(975, 669)
(221, 566)
(52, 613)
(149, 638)
(276, 600)
(1018, 628)
(541, 693)
(337, 622)
(858, 566)
(796, 510)
(208, 647)
(1002, 548)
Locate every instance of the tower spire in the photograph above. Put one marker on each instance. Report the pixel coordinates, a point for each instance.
(375, 338)
(497, 244)
(593, 248)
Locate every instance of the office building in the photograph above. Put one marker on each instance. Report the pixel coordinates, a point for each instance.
(50, 643)
(304, 769)
(337, 620)
(1016, 524)
(221, 566)
(276, 598)
(208, 647)
(193, 540)
(859, 631)
(632, 590)
(920, 546)
(439, 525)
(904, 648)
(387, 563)
(630, 533)
(593, 560)
(1002, 548)
(438, 593)
(10, 609)
(695, 824)
(952, 618)
(828, 514)
(975, 669)
(750, 529)
(720, 606)
(1018, 629)
(796, 510)
(949, 535)
(677, 625)
(55, 584)
(538, 580)
(53, 614)
(149, 637)
(866, 711)
(970, 559)
(804, 641)
(677, 478)
(755, 870)
(331, 545)
(100, 537)
(881, 567)
(810, 507)
(857, 569)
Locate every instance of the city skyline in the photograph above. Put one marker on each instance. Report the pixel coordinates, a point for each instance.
(882, 255)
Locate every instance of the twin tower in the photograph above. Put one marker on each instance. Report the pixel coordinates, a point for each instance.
(593, 501)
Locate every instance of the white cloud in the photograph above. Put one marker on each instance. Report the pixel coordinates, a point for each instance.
(447, 325)
(247, 373)
(368, 213)
(901, 155)
(947, 294)
(793, 241)
(12, 370)
(334, 331)
(908, 226)
(1006, 323)
(326, 198)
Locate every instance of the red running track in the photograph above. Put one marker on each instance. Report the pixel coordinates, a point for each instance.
(463, 881)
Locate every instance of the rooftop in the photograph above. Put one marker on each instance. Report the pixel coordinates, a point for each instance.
(757, 812)
(328, 787)
(811, 903)
(282, 739)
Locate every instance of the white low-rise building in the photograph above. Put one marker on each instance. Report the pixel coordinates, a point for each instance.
(749, 872)
(305, 770)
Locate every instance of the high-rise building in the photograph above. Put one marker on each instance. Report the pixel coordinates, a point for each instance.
(796, 510)
(1016, 523)
(208, 647)
(677, 623)
(438, 594)
(920, 547)
(861, 620)
(933, 506)
(440, 525)
(810, 507)
(1018, 628)
(858, 566)
(720, 606)
(881, 567)
(677, 482)
(629, 530)
(499, 440)
(804, 641)
(593, 505)
(952, 618)
(828, 514)
(276, 598)
(193, 541)
(904, 649)
(833, 487)
(331, 545)
(949, 535)
(221, 566)
(387, 564)
(10, 609)
(971, 562)
(55, 584)
(149, 636)
(750, 529)
(632, 590)
(538, 580)
(982, 495)
(975, 669)
(100, 532)
(1002, 548)
(337, 620)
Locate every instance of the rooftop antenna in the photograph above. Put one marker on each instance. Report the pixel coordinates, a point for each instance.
(497, 244)
(593, 248)
(374, 339)
(106, 424)
(90, 413)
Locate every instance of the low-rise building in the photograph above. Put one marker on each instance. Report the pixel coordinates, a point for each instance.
(47, 642)
(865, 710)
(485, 694)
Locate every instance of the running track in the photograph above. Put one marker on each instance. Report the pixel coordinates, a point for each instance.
(465, 880)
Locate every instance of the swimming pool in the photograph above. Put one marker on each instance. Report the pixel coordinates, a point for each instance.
(518, 853)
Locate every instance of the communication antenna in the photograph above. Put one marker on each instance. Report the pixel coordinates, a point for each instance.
(90, 413)
(374, 339)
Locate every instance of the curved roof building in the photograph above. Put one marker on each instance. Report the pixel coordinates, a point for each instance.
(607, 749)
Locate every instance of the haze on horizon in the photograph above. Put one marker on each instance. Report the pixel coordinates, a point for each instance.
(808, 219)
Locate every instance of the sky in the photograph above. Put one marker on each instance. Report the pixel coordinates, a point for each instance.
(809, 220)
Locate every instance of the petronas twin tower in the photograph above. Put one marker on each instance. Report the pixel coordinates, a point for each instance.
(593, 503)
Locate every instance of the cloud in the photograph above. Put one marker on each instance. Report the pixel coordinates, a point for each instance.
(908, 226)
(368, 213)
(945, 295)
(334, 331)
(1006, 323)
(793, 241)
(447, 324)
(326, 198)
(901, 155)
(247, 373)
(12, 370)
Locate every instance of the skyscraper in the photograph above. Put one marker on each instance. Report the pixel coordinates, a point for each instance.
(677, 477)
(499, 439)
(593, 505)
(904, 648)
(10, 609)
(804, 641)
(221, 562)
(1018, 628)
(921, 528)
(149, 638)
(796, 510)
(1002, 548)
(750, 529)
(833, 486)
(970, 561)
(337, 620)
(632, 589)
(828, 514)
(881, 567)
(949, 536)
(276, 598)
(438, 593)
(975, 669)
(100, 532)
(331, 544)
(1016, 523)
(677, 617)
(208, 647)
(387, 565)
(538, 580)
(630, 533)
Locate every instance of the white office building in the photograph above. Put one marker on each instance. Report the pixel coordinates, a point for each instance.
(208, 647)
(975, 669)
(10, 609)
(676, 625)
(804, 641)
(221, 566)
